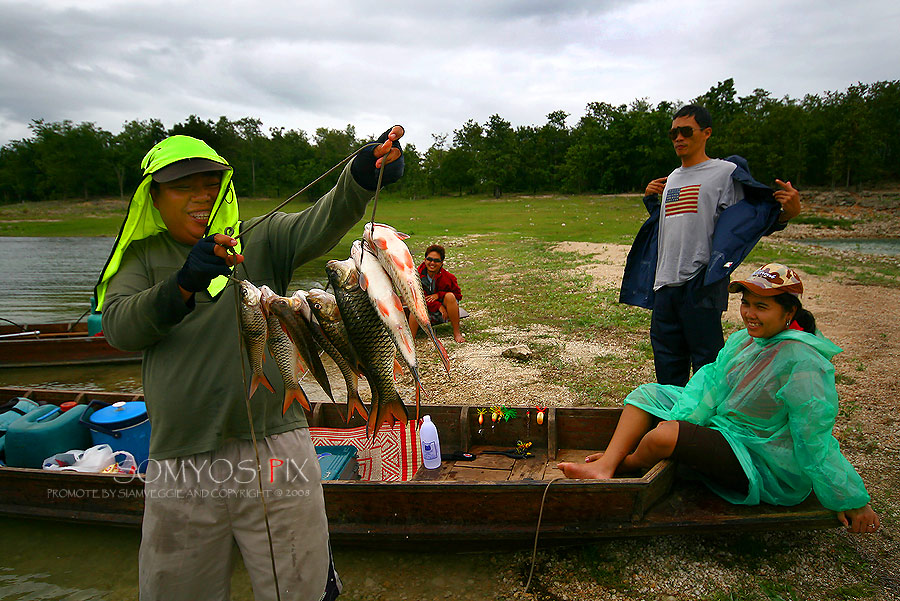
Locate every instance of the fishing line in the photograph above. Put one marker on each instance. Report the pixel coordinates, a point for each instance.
(229, 231)
(307, 187)
(262, 496)
(18, 325)
(377, 190)
(74, 323)
(538, 531)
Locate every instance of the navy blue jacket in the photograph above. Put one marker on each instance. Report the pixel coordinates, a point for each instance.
(737, 231)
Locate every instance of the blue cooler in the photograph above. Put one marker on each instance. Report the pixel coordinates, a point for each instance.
(123, 426)
(337, 462)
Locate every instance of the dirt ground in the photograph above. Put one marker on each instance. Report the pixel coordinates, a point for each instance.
(863, 320)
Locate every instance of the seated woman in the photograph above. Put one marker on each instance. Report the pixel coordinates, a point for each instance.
(757, 423)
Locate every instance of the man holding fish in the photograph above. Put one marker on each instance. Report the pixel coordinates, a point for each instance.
(164, 291)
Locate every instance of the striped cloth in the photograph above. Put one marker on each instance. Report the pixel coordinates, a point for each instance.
(393, 455)
(682, 200)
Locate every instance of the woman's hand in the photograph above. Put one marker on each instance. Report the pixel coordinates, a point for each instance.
(860, 520)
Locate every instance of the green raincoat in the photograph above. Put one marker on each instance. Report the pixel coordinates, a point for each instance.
(775, 402)
(143, 220)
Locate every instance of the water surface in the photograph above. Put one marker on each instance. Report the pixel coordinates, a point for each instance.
(870, 246)
(51, 280)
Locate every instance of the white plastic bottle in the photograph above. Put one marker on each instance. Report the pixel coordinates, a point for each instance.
(431, 445)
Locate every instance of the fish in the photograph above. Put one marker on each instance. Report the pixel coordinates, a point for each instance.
(372, 342)
(388, 306)
(393, 254)
(255, 333)
(285, 354)
(289, 313)
(331, 336)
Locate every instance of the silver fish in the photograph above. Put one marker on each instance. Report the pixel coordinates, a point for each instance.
(289, 313)
(285, 354)
(372, 342)
(323, 308)
(255, 333)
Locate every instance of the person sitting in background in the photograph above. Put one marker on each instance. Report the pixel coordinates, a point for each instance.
(442, 293)
(757, 423)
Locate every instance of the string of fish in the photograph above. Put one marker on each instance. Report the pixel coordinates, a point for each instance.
(237, 292)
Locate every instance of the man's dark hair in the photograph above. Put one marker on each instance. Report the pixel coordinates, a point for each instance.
(700, 114)
(435, 248)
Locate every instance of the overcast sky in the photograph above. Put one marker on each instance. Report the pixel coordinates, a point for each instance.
(427, 65)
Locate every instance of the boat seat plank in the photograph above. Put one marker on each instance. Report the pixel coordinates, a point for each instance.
(531, 468)
(477, 474)
(496, 462)
(423, 474)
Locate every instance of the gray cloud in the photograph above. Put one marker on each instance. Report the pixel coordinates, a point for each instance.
(429, 65)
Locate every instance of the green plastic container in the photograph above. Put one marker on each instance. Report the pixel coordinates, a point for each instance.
(44, 432)
(94, 320)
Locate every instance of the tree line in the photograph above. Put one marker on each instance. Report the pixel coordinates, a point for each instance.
(842, 138)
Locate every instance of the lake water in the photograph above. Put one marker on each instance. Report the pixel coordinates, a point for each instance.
(871, 246)
(52, 279)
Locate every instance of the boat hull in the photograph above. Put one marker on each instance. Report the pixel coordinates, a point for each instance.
(494, 499)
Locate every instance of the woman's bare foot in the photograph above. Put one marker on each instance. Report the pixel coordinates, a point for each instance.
(595, 470)
(458, 336)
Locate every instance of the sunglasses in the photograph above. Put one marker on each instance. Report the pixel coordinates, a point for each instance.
(430, 260)
(685, 130)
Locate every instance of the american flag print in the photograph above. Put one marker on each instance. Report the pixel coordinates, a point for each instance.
(682, 200)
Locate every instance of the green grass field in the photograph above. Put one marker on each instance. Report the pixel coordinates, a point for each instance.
(503, 253)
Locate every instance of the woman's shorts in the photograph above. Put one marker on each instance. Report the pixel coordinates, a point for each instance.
(706, 451)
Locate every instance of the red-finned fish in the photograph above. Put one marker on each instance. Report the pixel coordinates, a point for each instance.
(255, 333)
(290, 311)
(388, 306)
(372, 342)
(393, 254)
(328, 329)
(285, 354)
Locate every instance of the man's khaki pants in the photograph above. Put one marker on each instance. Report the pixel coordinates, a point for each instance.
(197, 506)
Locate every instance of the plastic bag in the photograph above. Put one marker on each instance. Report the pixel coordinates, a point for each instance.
(99, 458)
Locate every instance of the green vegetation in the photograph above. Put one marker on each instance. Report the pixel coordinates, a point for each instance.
(841, 138)
(825, 222)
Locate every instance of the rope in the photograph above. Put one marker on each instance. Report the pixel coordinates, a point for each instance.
(262, 497)
(538, 531)
(310, 185)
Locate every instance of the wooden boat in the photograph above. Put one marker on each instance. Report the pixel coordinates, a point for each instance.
(490, 500)
(45, 344)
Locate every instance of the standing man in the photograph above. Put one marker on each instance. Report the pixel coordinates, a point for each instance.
(163, 291)
(442, 293)
(711, 215)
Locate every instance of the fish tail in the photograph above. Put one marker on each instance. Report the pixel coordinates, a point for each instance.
(420, 388)
(258, 379)
(295, 394)
(355, 405)
(386, 412)
(445, 358)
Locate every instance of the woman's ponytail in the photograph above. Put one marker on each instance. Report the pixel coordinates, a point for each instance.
(804, 318)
